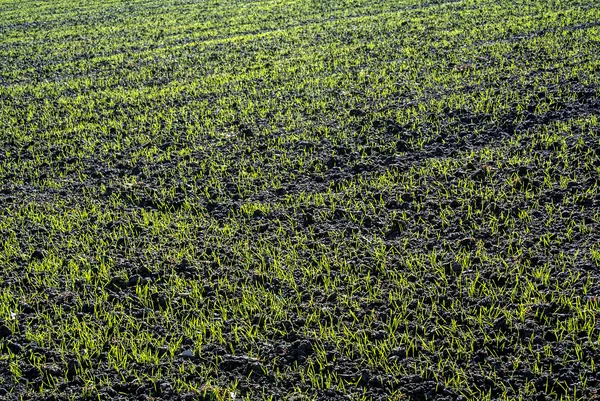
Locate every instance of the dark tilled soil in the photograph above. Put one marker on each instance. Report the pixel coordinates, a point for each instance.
(557, 361)
(448, 258)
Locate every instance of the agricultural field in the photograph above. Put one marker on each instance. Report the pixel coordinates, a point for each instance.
(300, 200)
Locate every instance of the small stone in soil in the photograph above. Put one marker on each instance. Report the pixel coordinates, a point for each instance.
(188, 354)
